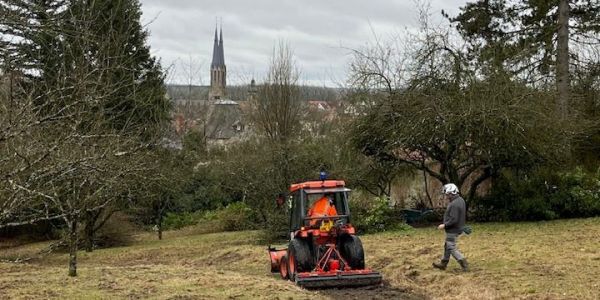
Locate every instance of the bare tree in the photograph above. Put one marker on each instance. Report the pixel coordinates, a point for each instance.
(192, 73)
(73, 136)
(277, 109)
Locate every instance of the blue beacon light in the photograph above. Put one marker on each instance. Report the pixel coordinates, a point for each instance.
(323, 175)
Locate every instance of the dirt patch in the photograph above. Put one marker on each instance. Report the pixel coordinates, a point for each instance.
(427, 250)
(385, 291)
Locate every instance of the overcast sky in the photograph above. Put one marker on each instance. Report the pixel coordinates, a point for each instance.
(319, 32)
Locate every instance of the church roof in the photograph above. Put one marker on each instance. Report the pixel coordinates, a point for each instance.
(224, 121)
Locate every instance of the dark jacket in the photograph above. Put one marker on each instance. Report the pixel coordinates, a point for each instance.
(455, 215)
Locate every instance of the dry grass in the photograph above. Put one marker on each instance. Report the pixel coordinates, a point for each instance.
(546, 260)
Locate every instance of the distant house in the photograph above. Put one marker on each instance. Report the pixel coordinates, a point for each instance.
(321, 110)
(319, 105)
(224, 121)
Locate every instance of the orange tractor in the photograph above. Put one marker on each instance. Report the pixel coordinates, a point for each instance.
(323, 250)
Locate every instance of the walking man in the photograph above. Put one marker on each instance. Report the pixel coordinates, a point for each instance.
(454, 223)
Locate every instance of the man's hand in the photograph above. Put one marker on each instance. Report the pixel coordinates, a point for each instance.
(441, 226)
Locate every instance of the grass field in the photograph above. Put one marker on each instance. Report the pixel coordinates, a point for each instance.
(545, 260)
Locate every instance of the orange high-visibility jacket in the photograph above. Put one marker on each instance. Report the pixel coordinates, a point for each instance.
(321, 208)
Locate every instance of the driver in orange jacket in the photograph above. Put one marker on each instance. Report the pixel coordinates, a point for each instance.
(323, 207)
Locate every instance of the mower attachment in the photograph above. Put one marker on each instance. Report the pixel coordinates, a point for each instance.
(275, 255)
(338, 278)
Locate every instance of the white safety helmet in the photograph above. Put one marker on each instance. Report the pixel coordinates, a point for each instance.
(450, 188)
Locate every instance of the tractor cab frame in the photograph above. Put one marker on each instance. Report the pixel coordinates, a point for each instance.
(302, 199)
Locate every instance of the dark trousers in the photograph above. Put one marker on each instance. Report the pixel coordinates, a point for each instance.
(450, 247)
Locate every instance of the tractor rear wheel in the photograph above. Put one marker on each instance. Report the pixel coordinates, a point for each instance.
(300, 258)
(283, 267)
(352, 251)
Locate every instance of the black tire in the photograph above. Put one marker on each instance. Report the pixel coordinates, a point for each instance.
(300, 257)
(352, 251)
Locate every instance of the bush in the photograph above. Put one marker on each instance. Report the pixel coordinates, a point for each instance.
(233, 217)
(577, 194)
(375, 215)
(276, 227)
(179, 220)
(541, 196)
(117, 231)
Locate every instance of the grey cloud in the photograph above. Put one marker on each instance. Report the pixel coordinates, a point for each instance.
(318, 31)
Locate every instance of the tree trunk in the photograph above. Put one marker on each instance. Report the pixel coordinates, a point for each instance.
(427, 189)
(98, 225)
(487, 173)
(89, 237)
(89, 231)
(159, 225)
(563, 80)
(73, 248)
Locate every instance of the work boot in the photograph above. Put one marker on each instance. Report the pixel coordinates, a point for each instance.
(464, 265)
(441, 265)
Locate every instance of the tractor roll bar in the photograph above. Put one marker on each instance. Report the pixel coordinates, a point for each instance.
(326, 218)
(326, 190)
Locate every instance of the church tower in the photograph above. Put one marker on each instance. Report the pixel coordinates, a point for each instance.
(218, 71)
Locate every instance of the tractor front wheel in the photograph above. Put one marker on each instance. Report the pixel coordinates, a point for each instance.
(352, 250)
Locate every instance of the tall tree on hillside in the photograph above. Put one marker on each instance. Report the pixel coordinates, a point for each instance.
(30, 36)
(535, 40)
(36, 34)
(277, 109)
(141, 98)
(30, 47)
(83, 118)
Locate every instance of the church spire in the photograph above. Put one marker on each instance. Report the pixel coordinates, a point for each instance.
(221, 50)
(216, 56)
(218, 71)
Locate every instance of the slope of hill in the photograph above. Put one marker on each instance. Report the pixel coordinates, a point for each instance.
(549, 260)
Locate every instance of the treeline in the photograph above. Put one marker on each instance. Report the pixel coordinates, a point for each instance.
(242, 92)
